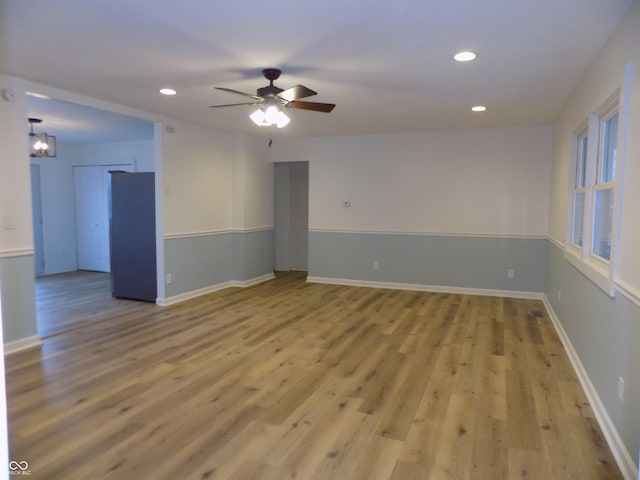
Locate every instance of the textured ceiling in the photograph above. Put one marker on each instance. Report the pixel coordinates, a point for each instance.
(387, 65)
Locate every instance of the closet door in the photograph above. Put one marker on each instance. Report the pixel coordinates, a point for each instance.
(92, 229)
(92, 205)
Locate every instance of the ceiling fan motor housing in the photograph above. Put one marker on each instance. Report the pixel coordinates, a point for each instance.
(270, 74)
(269, 91)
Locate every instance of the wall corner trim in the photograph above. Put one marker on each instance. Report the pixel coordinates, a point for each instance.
(624, 460)
(556, 242)
(22, 344)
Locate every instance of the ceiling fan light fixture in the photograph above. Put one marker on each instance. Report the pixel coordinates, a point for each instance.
(273, 99)
(272, 115)
(283, 120)
(258, 117)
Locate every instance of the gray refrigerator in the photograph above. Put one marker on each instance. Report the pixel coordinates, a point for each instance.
(133, 236)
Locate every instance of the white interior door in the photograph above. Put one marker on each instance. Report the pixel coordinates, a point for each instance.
(91, 227)
(92, 197)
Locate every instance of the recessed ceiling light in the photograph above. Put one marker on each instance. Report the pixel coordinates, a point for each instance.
(167, 91)
(479, 108)
(464, 56)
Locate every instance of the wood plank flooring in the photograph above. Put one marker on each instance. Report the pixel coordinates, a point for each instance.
(70, 300)
(289, 380)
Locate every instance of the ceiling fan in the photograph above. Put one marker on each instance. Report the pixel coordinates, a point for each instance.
(269, 98)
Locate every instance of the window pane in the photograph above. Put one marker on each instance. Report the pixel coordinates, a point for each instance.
(581, 164)
(602, 223)
(578, 209)
(609, 149)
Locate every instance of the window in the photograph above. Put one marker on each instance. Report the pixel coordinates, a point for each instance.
(593, 197)
(605, 187)
(579, 184)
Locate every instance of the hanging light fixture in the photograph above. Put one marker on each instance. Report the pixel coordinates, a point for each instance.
(41, 144)
(271, 115)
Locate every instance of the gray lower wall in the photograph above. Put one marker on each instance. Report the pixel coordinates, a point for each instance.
(17, 287)
(605, 333)
(199, 262)
(444, 261)
(253, 254)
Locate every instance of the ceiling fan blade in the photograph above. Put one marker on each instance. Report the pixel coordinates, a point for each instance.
(315, 106)
(230, 90)
(235, 104)
(294, 93)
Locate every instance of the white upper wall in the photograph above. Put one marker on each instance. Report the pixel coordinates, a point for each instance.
(483, 181)
(601, 80)
(16, 230)
(257, 184)
(197, 179)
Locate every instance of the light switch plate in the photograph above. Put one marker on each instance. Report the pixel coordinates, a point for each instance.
(9, 222)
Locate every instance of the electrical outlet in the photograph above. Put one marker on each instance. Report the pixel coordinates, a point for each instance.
(376, 265)
(511, 273)
(169, 279)
(559, 296)
(621, 389)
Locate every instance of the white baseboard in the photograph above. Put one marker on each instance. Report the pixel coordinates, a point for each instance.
(426, 288)
(253, 281)
(22, 344)
(164, 302)
(624, 460)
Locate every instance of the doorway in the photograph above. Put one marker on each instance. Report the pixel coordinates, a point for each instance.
(70, 196)
(291, 216)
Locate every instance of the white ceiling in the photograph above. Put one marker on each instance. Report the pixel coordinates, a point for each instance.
(386, 64)
(72, 123)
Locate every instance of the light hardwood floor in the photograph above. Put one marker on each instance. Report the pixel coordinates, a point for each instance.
(75, 299)
(289, 380)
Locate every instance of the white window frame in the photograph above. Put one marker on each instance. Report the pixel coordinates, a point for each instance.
(600, 270)
(577, 188)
